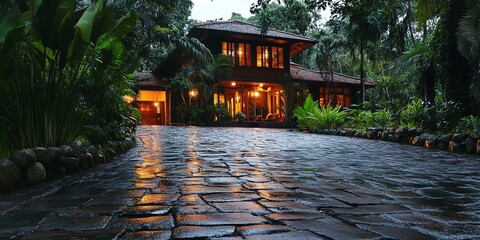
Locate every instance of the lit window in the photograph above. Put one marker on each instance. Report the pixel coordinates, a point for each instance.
(263, 56)
(244, 55)
(277, 57)
(229, 50)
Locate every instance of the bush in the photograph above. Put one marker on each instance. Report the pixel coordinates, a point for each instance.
(470, 124)
(239, 117)
(413, 114)
(312, 117)
(382, 118)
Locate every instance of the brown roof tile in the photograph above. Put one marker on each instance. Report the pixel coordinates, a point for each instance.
(301, 74)
(248, 28)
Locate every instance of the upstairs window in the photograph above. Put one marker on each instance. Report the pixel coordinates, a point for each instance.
(228, 49)
(263, 56)
(269, 57)
(277, 57)
(244, 55)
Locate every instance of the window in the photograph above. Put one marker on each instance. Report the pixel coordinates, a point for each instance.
(244, 55)
(263, 56)
(229, 50)
(277, 57)
(240, 52)
(327, 96)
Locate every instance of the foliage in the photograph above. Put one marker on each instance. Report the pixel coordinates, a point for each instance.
(239, 117)
(413, 114)
(313, 117)
(382, 118)
(469, 45)
(470, 124)
(359, 119)
(47, 65)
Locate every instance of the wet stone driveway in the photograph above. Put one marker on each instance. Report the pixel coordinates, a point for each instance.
(237, 183)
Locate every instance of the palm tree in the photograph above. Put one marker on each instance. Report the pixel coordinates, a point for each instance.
(364, 28)
(469, 45)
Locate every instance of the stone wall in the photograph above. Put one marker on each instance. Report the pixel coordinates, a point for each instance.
(457, 143)
(34, 165)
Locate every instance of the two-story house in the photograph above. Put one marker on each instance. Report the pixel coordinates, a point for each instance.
(261, 66)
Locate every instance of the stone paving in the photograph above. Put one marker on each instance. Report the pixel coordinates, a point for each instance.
(233, 183)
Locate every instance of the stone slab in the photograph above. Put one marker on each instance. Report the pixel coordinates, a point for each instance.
(261, 229)
(332, 228)
(304, 235)
(154, 235)
(202, 232)
(241, 207)
(74, 223)
(214, 219)
(144, 223)
(159, 199)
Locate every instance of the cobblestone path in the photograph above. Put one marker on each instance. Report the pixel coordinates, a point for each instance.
(234, 183)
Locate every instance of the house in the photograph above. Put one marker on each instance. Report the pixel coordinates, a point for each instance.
(261, 69)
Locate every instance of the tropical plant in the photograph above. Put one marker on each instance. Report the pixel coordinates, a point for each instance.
(470, 124)
(44, 66)
(239, 117)
(313, 117)
(413, 114)
(469, 45)
(382, 118)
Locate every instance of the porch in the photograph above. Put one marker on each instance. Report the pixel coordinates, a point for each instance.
(256, 101)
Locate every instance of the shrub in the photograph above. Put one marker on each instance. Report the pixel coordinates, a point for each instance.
(239, 117)
(313, 117)
(382, 118)
(413, 114)
(469, 124)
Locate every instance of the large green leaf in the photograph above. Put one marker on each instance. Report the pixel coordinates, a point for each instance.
(50, 16)
(9, 22)
(35, 6)
(85, 25)
(123, 26)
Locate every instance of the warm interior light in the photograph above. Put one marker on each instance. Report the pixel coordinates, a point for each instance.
(193, 93)
(156, 104)
(261, 84)
(234, 84)
(256, 94)
(128, 99)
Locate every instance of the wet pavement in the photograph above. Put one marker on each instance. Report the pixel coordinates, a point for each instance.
(236, 183)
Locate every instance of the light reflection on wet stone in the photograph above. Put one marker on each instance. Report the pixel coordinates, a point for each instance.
(228, 183)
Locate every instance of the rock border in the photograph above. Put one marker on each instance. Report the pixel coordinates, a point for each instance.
(468, 143)
(34, 165)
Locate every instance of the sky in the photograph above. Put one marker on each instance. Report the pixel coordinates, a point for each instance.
(204, 10)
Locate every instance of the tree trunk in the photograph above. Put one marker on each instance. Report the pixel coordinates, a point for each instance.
(362, 73)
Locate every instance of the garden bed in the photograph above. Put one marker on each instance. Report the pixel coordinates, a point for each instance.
(34, 165)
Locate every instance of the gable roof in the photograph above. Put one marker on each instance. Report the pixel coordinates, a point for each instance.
(298, 73)
(297, 42)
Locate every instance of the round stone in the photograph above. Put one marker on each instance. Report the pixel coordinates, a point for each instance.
(9, 174)
(24, 158)
(36, 173)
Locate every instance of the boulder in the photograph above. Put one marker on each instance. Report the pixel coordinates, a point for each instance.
(9, 174)
(455, 147)
(66, 151)
(459, 137)
(43, 155)
(54, 152)
(35, 173)
(71, 164)
(470, 145)
(24, 158)
(90, 161)
(478, 147)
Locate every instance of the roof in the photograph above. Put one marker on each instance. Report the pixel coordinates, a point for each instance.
(301, 74)
(147, 79)
(298, 42)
